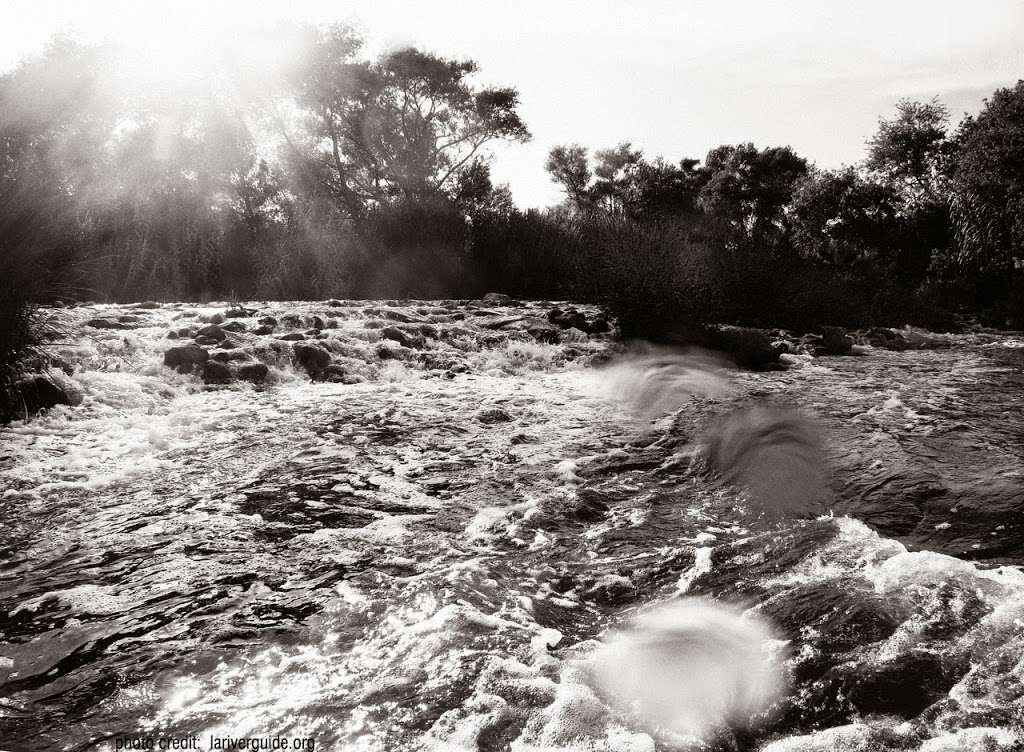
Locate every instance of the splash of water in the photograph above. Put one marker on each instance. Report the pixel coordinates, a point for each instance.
(776, 454)
(773, 452)
(651, 381)
(691, 667)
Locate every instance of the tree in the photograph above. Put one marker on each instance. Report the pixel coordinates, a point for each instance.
(403, 126)
(623, 183)
(912, 151)
(477, 196)
(568, 166)
(988, 190)
(661, 189)
(614, 177)
(750, 188)
(842, 218)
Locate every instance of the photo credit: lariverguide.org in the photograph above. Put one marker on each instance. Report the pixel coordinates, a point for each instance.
(256, 744)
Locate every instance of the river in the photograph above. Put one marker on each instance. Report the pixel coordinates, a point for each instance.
(426, 550)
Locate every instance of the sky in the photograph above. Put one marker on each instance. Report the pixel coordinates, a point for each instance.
(676, 78)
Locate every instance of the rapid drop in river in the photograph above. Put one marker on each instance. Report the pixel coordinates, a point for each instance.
(466, 529)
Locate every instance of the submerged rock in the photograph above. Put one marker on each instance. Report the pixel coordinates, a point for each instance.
(492, 415)
(599, 325)
(545, 332)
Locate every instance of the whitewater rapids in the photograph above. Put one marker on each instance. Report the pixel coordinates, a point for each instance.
(462, 547)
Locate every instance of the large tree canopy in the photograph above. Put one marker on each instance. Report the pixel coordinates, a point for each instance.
(988, 195)
(751, 187)
(622, 182)
(406, 125)
(842, 218)
(912, 150)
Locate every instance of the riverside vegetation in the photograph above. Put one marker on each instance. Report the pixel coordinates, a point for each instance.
(330, 174)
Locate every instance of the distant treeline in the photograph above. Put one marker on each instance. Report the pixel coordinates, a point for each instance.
(330, 173)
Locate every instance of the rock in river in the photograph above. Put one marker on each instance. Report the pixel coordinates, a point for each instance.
(185, 358)
(215, 372)
(313, 358)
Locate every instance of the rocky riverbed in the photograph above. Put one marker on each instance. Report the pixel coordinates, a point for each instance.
(394, 525)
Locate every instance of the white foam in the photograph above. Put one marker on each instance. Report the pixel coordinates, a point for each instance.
(690, 666)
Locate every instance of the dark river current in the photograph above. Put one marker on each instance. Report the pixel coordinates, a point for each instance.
(451, 539)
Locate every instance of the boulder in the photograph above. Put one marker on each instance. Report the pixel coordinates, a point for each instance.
(263, 330)
(389, 352)
(239, 313)
(254, 372)
(215, 372)
(40, 392)
(750, 348)
(333, 373)
(293, 337)
(185, 358)
(571, 319)
(213, 331)
(335, 303)
(228, 355)
(834, 341)
(234, 326)
(402, 337)
(267, 321)
(312, 358)
(106, 324)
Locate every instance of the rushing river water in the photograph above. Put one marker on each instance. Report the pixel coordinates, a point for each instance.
(429, 551)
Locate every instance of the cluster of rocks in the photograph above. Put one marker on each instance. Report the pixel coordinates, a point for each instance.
(239, 344)
(224, 347)
(762, 348)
